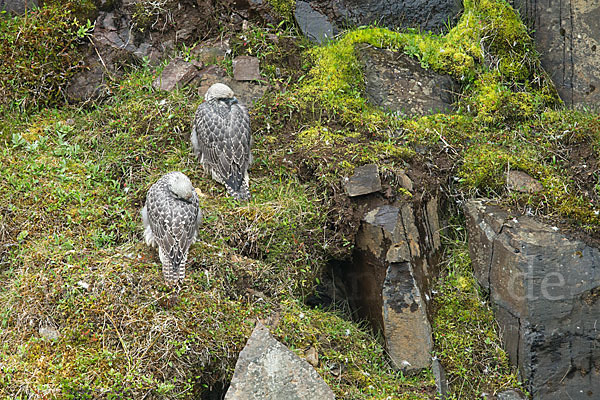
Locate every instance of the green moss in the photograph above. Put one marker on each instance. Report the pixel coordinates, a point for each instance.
(75, 182)
(81, 10)
(465, 333)
(489, 50)
(37, 56)
(285, 8)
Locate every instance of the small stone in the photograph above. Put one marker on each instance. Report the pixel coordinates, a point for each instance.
(522, 182)
(48, 332)
(439, 375)
(511, 394)
(177, 74)
(211, 53)
(198, 64)
(246, 68)
(405, 181)
(312, 357)
(364, 181)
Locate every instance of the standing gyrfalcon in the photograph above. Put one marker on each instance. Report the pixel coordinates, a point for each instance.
(221, 139)
(171, 218)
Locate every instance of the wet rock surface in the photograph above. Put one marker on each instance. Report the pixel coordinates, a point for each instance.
(267, 370)
(511, 395)
(567, 35)
(544, 287)
(396, 82)
(422, 14)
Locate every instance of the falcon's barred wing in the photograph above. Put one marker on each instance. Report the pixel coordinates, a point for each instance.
(223, 140)
(174, 223)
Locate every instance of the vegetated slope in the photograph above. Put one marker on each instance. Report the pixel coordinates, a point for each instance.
(72, 257)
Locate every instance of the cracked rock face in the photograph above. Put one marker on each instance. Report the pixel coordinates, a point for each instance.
(545, 288)
(394, 261)
(567, 35)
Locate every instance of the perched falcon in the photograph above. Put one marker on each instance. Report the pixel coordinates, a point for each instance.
(221, 139)
(171, 218)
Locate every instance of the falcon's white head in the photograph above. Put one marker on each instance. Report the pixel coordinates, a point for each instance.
(181, 186)
(218, 91)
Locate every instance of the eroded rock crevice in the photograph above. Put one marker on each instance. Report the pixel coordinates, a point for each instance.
(388, 281)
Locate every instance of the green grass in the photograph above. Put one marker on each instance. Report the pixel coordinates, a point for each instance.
(75, 182)
(75, 179)
(466, 335)
(38, 55)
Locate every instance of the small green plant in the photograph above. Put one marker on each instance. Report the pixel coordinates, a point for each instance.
(466, 337)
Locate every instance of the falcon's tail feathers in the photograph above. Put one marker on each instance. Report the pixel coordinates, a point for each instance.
(242, 193)
(173, 267)
(237, 185)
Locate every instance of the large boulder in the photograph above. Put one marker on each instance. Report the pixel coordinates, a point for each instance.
(544, 287)
(267, 370)
(398, 83)
(395, 258)
(567, 35)
(421, 14)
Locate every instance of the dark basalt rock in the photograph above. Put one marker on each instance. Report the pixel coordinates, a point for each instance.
(396, 82)
(389, 280)
(567, 35)
(176, 75)
(545, 289)
(365, 180)
(313, 24)
(267, 370)
(434, 15)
